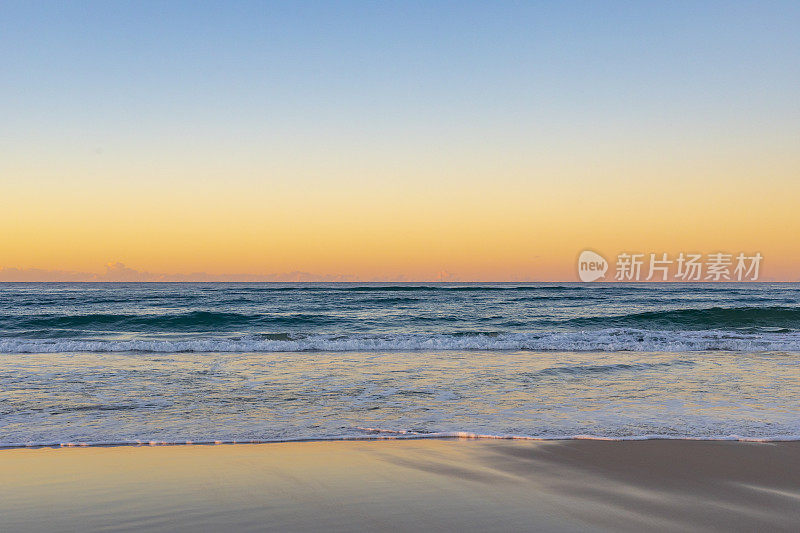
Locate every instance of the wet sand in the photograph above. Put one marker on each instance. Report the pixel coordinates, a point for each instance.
(439, 485)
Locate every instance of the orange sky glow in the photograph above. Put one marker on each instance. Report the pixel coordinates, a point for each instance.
(294, 148)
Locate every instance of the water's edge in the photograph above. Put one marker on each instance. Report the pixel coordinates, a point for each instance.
(376, 438)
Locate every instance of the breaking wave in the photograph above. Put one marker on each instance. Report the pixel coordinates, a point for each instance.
(188, 321)
(607, 340)
(775, 318)
(704, 318)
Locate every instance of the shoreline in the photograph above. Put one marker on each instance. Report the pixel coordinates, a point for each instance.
(394, 436)
(444, 484)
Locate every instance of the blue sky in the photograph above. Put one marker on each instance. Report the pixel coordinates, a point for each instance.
(389, 117)
(361, 68)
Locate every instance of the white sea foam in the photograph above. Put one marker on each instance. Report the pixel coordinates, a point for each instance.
(156, 398)
(610, 339)
(218, 364)
(379, 435)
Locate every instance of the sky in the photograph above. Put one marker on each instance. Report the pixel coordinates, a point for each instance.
(393, 140)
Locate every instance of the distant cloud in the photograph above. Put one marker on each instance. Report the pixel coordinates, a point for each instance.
(444, 275)
(119, 272)
(36, 274)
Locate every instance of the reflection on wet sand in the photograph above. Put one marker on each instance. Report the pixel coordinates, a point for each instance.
(465, 485)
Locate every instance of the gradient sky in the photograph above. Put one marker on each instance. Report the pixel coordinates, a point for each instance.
(396, 140)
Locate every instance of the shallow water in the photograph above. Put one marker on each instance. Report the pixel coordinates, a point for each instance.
(95, 363)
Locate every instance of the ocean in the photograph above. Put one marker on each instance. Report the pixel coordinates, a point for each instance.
(172, 363)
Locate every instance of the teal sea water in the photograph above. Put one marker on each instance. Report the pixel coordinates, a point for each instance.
(171, 363)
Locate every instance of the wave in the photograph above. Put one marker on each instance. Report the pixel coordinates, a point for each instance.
(388, 300)
(604, 340)
(532, 286)
(188, 321)
(555, 297)
(445, 287)
(579, 370)
(429, 287)
(768, 319)
(786, 317)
